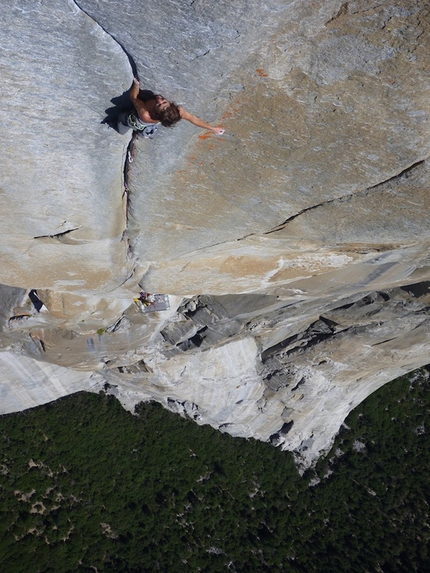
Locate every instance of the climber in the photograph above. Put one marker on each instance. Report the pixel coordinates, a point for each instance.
(149, 114)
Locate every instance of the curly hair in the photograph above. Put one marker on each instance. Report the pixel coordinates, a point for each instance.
(169, 116)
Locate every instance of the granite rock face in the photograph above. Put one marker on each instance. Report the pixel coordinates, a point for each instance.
(63, 214)
(295, 248)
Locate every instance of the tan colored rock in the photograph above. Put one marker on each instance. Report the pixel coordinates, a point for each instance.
(296, 245)
(63, 211)
(330, 109)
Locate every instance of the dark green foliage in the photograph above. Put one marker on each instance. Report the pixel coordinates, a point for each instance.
(86, 486)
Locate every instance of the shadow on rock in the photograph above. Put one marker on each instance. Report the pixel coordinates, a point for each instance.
(123, 103)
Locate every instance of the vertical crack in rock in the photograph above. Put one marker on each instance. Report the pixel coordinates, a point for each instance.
(129, 156)
(130, 59)
(130, 275)
(130, 148)
(404, 173)
(312, 371)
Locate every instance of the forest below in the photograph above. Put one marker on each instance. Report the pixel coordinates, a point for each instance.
(86, 486)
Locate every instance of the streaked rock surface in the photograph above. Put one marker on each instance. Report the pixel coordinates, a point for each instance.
(63, 211)
(295, 248)
(26, 383)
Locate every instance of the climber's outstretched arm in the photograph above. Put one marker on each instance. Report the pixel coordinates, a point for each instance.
(199, 122)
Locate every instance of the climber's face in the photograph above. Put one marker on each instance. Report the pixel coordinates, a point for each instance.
(161, 103)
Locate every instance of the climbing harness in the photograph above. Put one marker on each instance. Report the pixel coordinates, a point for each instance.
(146, 130)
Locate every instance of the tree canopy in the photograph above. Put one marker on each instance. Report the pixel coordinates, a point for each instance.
(86, 486)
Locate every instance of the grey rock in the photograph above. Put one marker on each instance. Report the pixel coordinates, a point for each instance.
(294, 249)
(61, 167)
(178, 332)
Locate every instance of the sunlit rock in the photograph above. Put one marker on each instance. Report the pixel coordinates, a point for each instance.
(295, 248)
(63, 210)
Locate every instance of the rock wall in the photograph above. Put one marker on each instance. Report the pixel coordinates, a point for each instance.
(294, 248)
(62, 213)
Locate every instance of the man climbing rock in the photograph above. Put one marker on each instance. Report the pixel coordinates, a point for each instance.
(149, 114)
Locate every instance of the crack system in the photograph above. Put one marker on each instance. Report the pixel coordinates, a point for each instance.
(130, 148)
(403, 173)
(57, 235)
(130, 59)
(63, 237)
